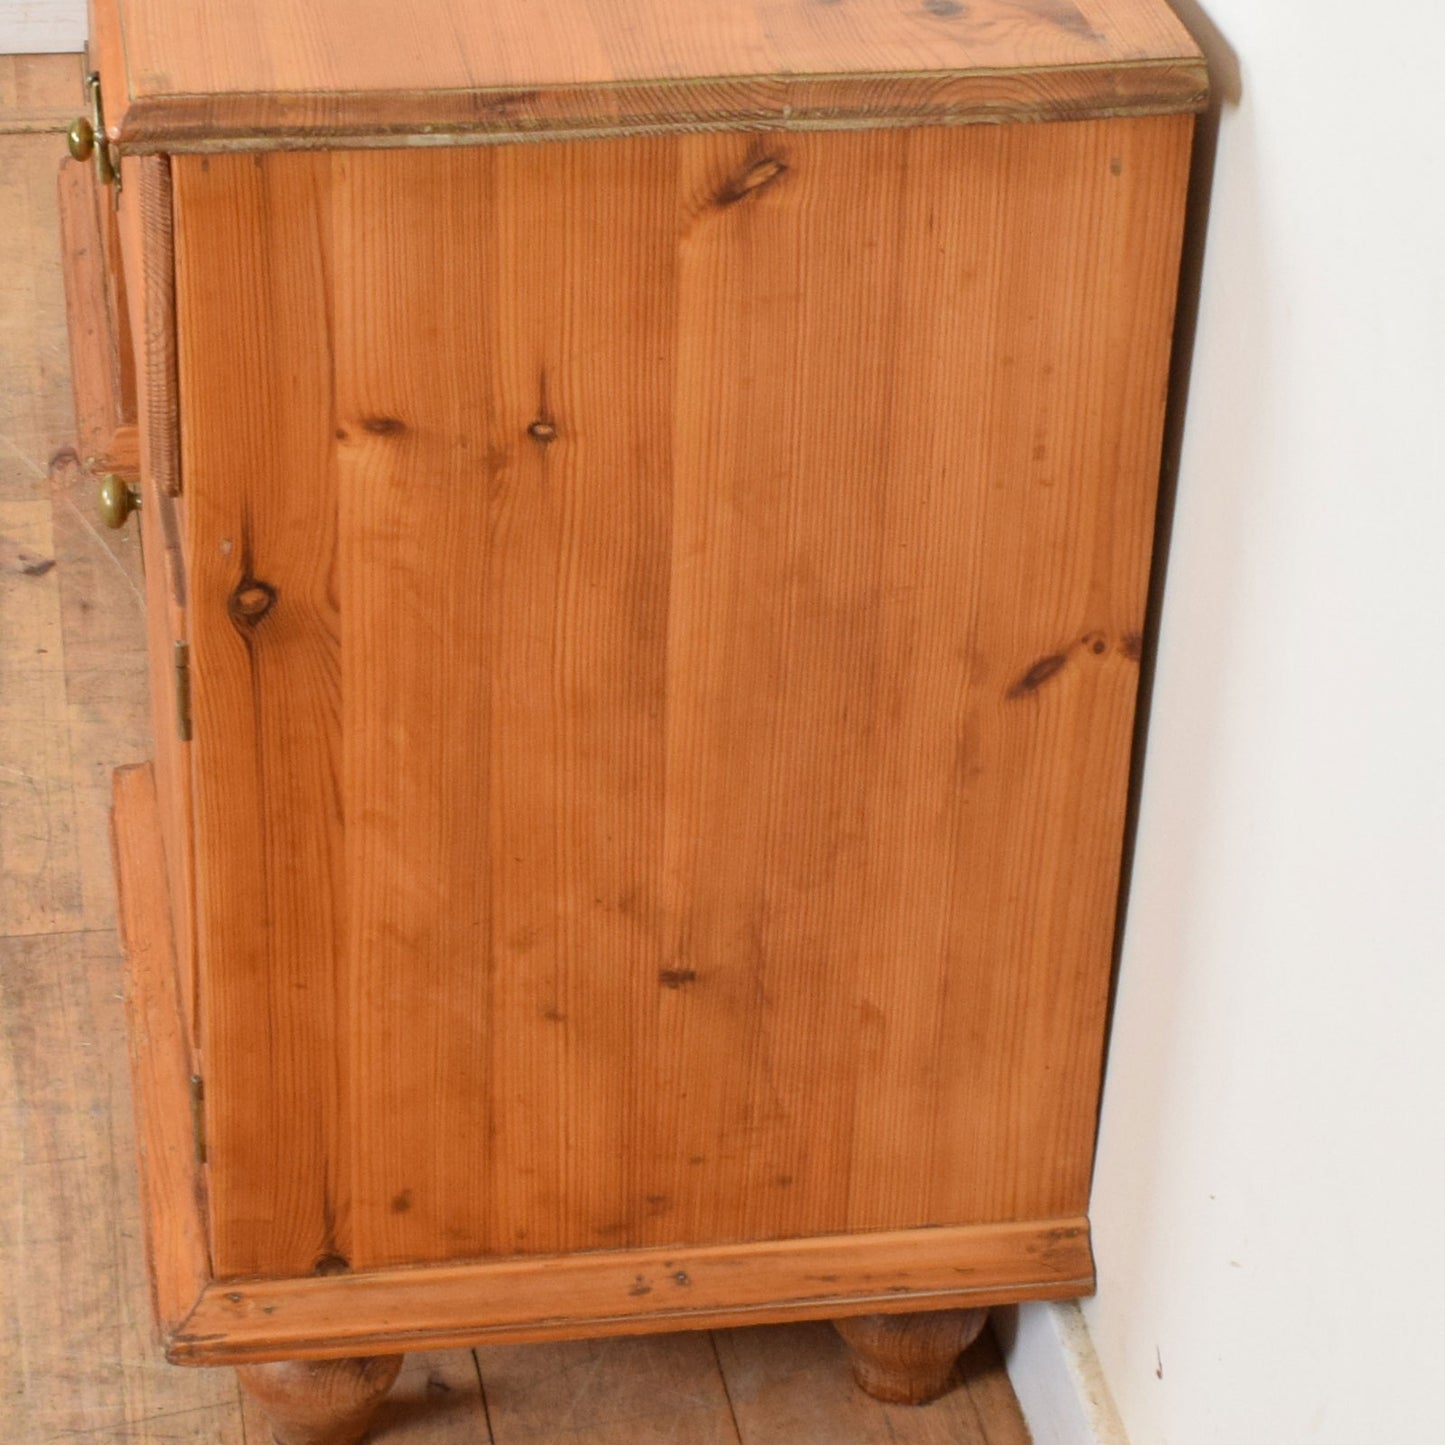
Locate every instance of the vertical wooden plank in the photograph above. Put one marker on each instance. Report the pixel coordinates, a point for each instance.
(176, 1247)
(254, 343)
(1077, 346)
(503, 490)
(583, 277)
(410, 354)
(896, 848)
(147, 224)
(787, 378)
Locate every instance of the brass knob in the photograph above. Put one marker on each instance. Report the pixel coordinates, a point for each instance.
(81, 138)
(118, 499)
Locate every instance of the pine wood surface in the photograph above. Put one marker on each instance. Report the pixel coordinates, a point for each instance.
(908, 1359)
(78, 1358)
(145, 223)
(319, 1402)
(102, 354)
(173, 1199)
(312, 71)
(716, 810)
(595, 1294)
(40, 93)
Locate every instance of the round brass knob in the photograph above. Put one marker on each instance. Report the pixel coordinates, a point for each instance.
(81, 138)
(118, 499)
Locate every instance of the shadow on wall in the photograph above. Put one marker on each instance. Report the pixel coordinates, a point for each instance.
(1225, 90)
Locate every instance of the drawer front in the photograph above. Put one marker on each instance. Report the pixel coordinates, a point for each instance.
(102, 356)
(664, 618)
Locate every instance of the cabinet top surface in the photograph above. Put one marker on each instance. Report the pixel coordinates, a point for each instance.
(312, 69)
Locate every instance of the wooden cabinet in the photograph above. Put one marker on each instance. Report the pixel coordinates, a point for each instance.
(651, 510)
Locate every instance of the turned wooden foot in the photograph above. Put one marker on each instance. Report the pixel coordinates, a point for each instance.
(320, 1402)
(908, 1359)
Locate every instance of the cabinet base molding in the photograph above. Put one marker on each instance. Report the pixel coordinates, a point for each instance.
(908, 1359)
(638, 1291)
(320, 1402)
(206, 1321)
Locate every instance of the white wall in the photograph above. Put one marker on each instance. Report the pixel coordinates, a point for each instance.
(41, 27)
(1271, 1171)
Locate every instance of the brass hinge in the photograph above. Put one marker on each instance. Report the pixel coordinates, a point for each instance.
(182, 655)
(198, 1117)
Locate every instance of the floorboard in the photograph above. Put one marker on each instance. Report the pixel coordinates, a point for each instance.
(78, 1359)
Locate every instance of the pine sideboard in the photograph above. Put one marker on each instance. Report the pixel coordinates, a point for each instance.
(647, 514)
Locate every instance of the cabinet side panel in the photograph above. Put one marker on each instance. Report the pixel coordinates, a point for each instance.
(671, 614)
(921, 384)
(253, 331)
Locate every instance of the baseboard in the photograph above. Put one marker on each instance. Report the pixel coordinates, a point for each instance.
(1056, 1376)
(41, 27)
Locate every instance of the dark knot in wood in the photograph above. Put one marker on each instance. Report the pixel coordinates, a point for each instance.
(751, 180)
(250, 601)
(1038, 674)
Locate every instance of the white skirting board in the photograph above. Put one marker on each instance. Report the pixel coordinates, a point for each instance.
(41, 27)
(1056, 1375)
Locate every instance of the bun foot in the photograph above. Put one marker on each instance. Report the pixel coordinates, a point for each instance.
(908, 1359)
(320, 1402)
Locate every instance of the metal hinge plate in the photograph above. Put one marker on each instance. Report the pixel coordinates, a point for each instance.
(198, 1117)
(182, 656)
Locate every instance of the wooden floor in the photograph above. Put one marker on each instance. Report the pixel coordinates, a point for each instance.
(78, 1361)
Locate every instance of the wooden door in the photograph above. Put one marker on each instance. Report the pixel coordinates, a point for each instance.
(665, 620)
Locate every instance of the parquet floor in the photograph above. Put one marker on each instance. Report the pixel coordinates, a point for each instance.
(78, 1361)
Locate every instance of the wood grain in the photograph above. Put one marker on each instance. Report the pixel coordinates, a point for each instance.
(908, 1359)
(319, 1402)
(792, 1383)
(985, 1376)
(40, 93)
(148, 231)
(102, 355)
(664, 666)
(77, 1356)
(629, 1292)
(171, 1181)
(436, 70)
(146, 246)
(40, 878)
(662, 1389)
(268, 806)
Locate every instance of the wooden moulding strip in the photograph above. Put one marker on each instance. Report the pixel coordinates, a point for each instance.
(171, 1199)
(158, 282)
(635, 1292)
(230, 121)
